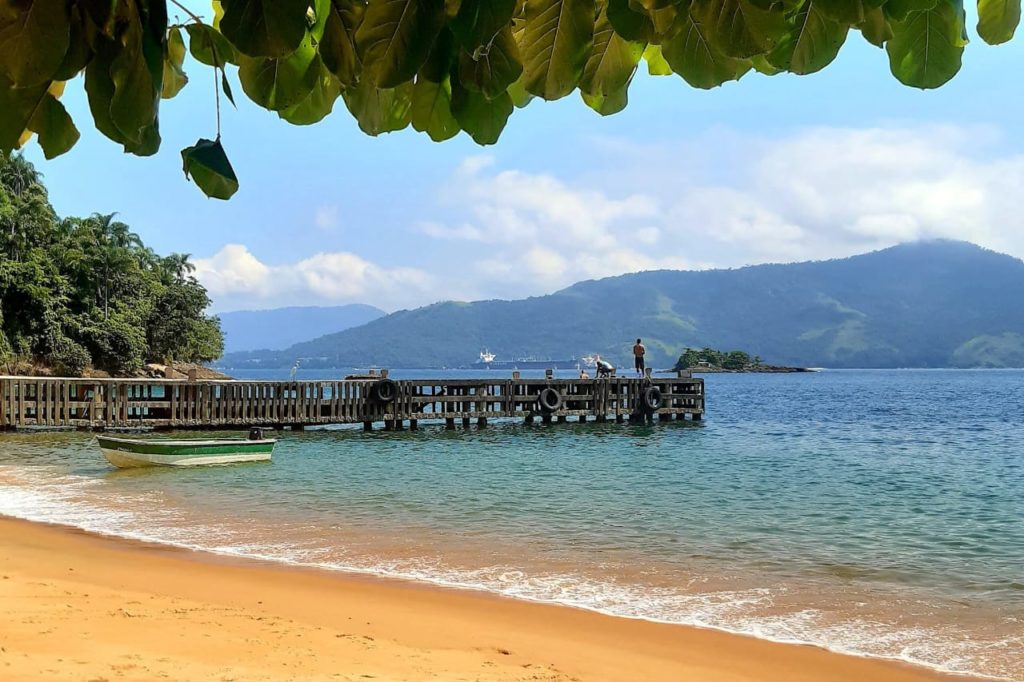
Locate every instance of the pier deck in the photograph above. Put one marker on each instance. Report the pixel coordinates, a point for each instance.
(166, 404)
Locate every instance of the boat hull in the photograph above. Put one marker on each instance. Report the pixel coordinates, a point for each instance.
(127, 453)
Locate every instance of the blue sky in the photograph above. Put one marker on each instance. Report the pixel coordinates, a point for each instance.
(767, 169)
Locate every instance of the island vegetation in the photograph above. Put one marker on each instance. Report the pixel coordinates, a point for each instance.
(442, 66)
(693, 358)
(712, 360)
(84, 295)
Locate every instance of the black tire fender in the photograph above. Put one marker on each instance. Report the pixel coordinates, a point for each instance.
(549, 400)
(652, 399)
(384, 391)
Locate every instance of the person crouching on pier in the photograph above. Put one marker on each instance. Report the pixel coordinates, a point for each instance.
(604, 368)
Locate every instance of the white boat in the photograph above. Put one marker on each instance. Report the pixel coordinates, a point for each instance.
(127, 453)
(487, 357)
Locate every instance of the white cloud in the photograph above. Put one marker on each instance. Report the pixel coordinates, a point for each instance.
(235, 278)
(726, 200)
(717, 200)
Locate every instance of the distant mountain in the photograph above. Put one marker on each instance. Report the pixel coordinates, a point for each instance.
(924, 304)
(279, 328)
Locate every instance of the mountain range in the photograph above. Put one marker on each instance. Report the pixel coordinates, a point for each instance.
(280, 328)
(922, 304)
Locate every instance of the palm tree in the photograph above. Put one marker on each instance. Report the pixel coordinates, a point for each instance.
(114, 244)
(176, 267)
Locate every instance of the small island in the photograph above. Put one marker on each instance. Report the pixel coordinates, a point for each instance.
(708, 360)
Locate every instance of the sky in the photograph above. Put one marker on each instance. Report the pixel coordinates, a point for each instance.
(769, 169)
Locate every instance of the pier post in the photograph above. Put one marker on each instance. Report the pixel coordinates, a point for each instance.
(562, 419)
(389, 424)
(449, 423)
(528, 419)
(582, 419)
(601, 419)
(619, 418)
(481, 421)
(413, 425)
(546, 419)
(696, 416)
(465, 422)
(367, 426)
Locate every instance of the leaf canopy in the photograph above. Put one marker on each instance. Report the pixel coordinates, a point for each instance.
(444, 66)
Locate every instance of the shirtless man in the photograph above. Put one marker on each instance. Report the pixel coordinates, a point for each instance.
(638, 357)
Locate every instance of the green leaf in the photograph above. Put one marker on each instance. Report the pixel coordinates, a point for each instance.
(612, 62)
(17, 108)
(845, 11)
(379, 110)
(265, 28)
(606, 105)
(208, 46)
(629, 24)
(664, 20)
(875, 27)
(520, 97)
(278, 84)
(813, 41)
(555, 44)
(57, 132)
(318, 104)
(899, 9)
(691, 55)
(738, 28)
(656, 64)
(34, 42)
(482, 118)
(136, 73)
(491, 68)
(478, 22)
(207, 164)
(79, 49)
(226, 87)
(927, 47)
(441, 58)
(432, 109)
(99, 87)
(174, 77)
(998, 20)
(395, 37)
(338, 46)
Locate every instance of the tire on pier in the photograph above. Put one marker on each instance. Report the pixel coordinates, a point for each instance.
(384, 391)
(549, 400)
(651, 400)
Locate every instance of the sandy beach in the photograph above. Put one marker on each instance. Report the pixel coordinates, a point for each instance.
(83, 607)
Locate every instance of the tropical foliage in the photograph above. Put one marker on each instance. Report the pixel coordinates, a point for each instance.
(86, 292)
(442, 66)
(717, 359)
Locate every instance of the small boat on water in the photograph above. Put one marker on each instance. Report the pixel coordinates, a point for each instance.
(127, 453)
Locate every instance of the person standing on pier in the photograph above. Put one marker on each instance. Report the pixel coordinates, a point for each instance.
(638, 357)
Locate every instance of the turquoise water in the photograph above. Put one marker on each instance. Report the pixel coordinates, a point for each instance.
(872, 512)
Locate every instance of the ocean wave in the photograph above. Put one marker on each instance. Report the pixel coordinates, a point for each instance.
(48, 495)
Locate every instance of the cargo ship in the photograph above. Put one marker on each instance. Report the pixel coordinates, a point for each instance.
(488, 360)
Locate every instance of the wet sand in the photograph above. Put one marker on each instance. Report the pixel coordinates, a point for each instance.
(75, 606)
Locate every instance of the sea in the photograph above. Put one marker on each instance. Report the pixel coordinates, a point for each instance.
(874, 513)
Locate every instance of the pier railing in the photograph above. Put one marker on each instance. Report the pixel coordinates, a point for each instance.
(164, 403)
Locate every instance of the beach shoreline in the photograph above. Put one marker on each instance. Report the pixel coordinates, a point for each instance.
(86, 606)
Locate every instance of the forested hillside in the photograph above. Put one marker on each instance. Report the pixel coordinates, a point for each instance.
(927, 304)
(86, 293)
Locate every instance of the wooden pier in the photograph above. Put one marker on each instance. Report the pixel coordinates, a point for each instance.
(169, 404)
